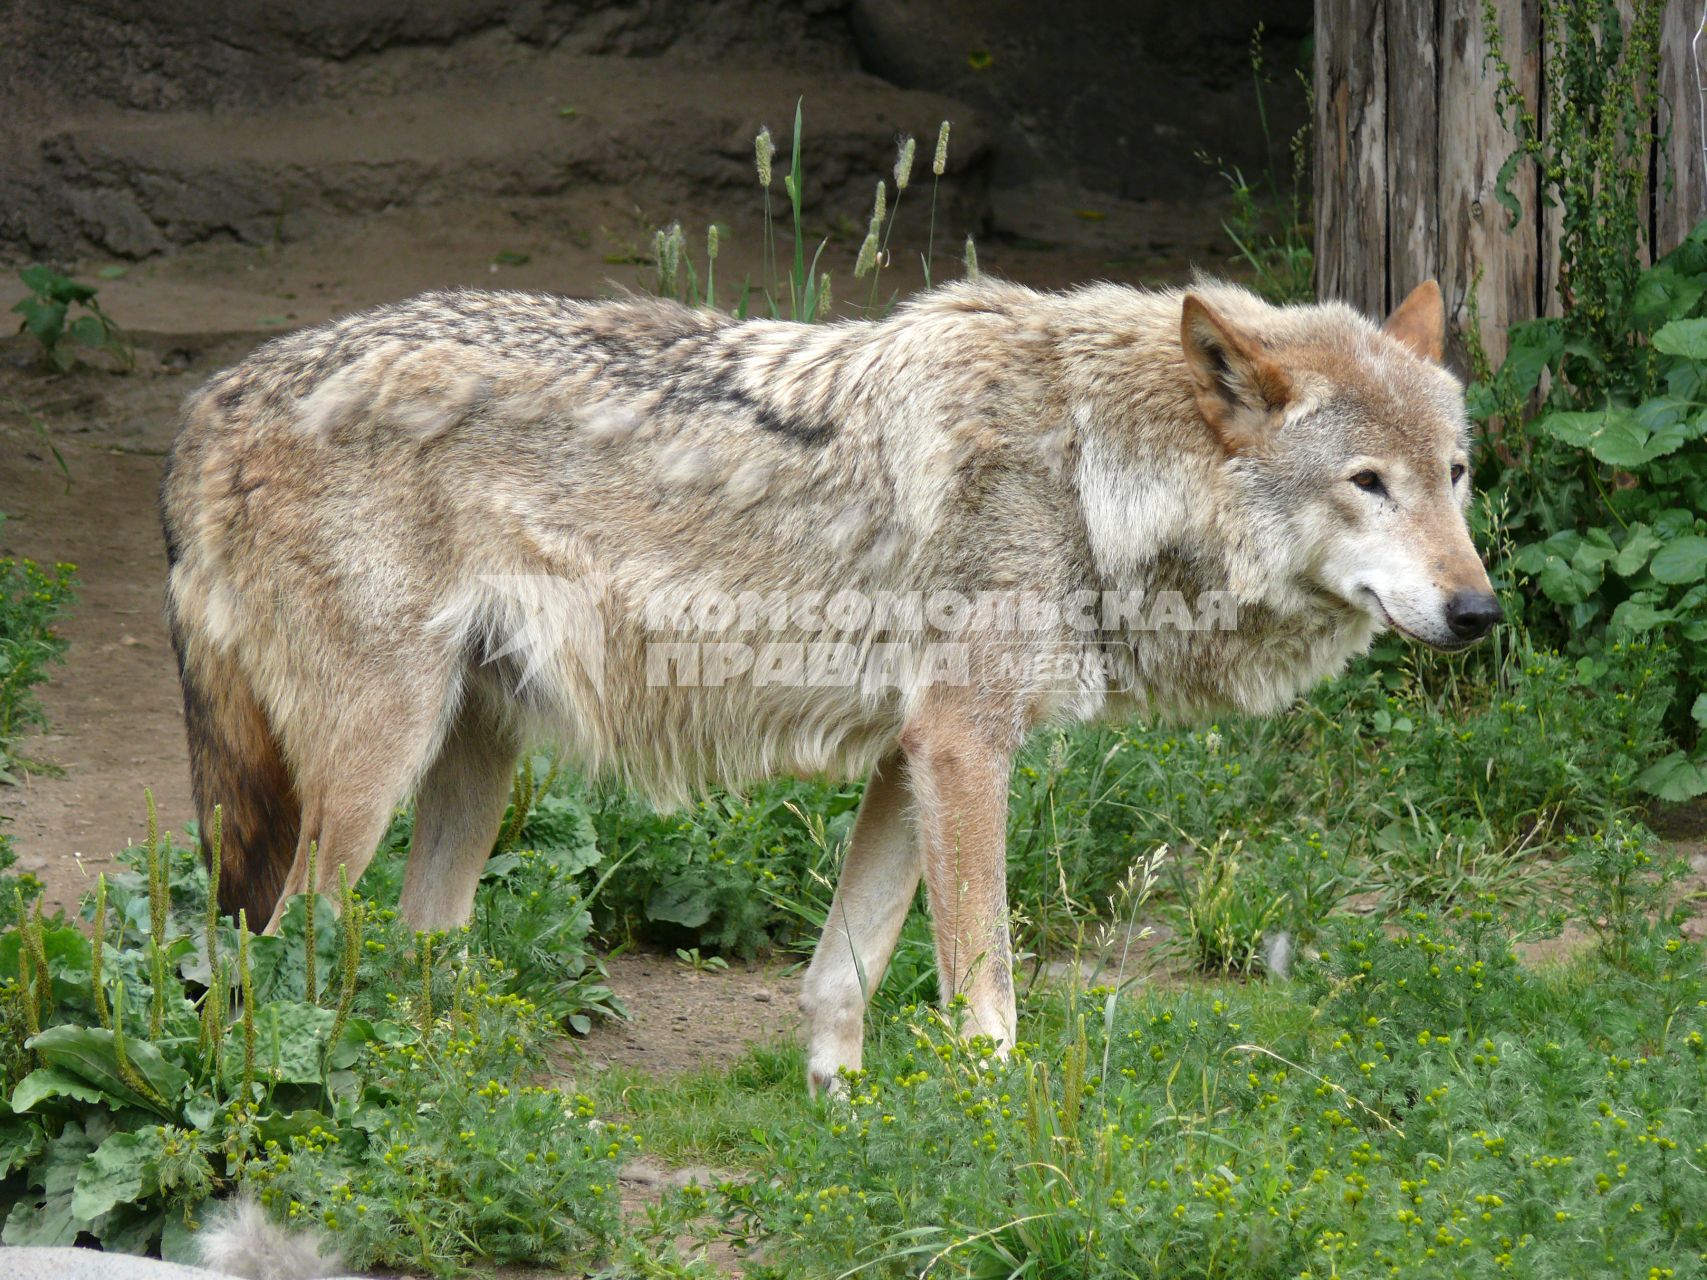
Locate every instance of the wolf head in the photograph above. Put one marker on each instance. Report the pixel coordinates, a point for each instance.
(1351, 443)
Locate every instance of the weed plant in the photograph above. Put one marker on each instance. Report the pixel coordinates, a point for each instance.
(362, 1079)
(32, 601)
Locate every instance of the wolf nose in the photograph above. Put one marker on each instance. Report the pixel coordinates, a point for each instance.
(1472, 614)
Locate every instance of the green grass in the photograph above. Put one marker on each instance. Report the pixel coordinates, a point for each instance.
(1416, 1104)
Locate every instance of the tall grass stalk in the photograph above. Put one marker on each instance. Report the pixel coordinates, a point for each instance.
(939, 162)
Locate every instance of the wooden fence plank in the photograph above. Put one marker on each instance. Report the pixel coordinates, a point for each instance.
(1351, 156)
(1685, 203)
(1476, 232)
(1413, 147)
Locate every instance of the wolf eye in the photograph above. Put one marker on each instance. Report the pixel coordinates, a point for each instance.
(1369, 482)
(1457, 472)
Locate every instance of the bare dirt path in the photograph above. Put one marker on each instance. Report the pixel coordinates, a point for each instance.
(681, 1018)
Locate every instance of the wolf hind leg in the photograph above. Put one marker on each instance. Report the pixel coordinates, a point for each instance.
(960, 777)
(458, 808)
(357, 771)
(879, 875)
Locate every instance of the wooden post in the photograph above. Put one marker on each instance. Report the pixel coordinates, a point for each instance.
(1683, 86)
(1409, 147)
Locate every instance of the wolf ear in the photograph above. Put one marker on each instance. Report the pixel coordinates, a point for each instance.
(1238, 388)
(1420, 322)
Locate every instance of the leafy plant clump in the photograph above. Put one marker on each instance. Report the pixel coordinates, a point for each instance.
(1595, 420)
(63, 333)
(359, 1077)
(533, 910)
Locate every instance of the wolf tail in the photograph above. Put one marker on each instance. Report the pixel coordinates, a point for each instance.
(237, 769)
(240, 1241)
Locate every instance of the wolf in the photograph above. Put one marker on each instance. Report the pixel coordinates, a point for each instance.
(408, 544)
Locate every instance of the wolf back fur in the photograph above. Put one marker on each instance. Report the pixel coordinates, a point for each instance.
(373, 527)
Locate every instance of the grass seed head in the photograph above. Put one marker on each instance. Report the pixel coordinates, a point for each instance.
(764, 150)
(867, 258)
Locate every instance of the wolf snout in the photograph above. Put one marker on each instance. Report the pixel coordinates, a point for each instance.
(1471, 614)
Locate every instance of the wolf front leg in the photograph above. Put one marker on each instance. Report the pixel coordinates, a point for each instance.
(878, 878)
(959, 769)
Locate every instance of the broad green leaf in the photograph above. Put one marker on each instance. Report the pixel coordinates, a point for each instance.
(277, 1128)
(89, 1053)
(65, 289)
(1659, 411)
(1681, 560)
(1687, 379)
(1639, 544)
(68, 959)
(1585, 350)
(130, 1228)
(1674, 778)
(1533, 346)
(1664, 293)
(355, 1037)
(561, 829)
(680, 901)
(1682, 338)
(1479, 401)
(1673, 522)
(121, 1171)
(53, 1082)
(1531, 559)
(1616, 436)
(1593, 553)
(1573, 428)
(1563, 583)
(1621, 442)
(1669, 439)
(290, 1038)
(43, 321)
(89, 331)
(1639, 616)
(21, 1141)
(42, 1215)
(201, 1110)
(178, 1239)
(45, 282)
(1698, 712)
(39, 279)
(276, 960)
